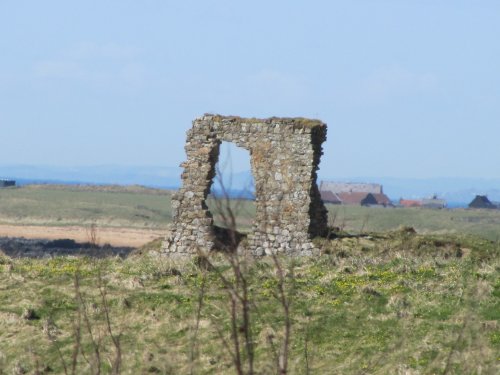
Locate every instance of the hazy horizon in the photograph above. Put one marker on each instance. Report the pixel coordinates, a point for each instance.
(322, 173)
(457, 191)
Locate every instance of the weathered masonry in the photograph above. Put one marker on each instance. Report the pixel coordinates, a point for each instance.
(285, 154)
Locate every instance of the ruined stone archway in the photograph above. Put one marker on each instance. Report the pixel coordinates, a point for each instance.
(285, 155)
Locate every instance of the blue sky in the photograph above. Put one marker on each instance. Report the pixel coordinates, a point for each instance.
(408, 88)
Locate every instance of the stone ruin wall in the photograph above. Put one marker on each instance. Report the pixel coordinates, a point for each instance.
(285, 154)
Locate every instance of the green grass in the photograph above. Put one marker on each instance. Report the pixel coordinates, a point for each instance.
(82, 205)
(484, 223)
(379, 304)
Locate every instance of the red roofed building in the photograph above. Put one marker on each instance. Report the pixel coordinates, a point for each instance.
(329, 197)
(352, 198)
(353, 194)
(382, 199)
(410, 203)
(364, 199)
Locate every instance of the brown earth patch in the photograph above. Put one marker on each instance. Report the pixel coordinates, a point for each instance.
(130, 237)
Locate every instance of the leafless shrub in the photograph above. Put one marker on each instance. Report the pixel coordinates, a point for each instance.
(307, 356)
(240, 344)
(241, 306)
(93, 235)
(194, 347)
(87, 326)
(116, 364)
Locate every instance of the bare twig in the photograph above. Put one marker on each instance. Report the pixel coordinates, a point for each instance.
(93, 235)
(194, 346)
(306, 348)
(88, 325)
(77, 326)
(285, 305)
(114, 338)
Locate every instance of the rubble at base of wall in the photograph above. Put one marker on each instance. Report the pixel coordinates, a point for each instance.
(306, 249)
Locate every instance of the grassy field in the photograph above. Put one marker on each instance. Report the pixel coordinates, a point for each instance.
(138, 207)
(376, 301)
(106, 206)
(397, 303)
(483, 223)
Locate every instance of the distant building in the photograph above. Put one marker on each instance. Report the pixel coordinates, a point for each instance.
(329, 197)
(410, 203)
(382, 199)
(7, 183)
(434, 202)
(481, 201)
(353, 198)
(353, 194)
(348, 187)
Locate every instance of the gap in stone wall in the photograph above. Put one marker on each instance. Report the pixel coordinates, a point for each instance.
(233, 180)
